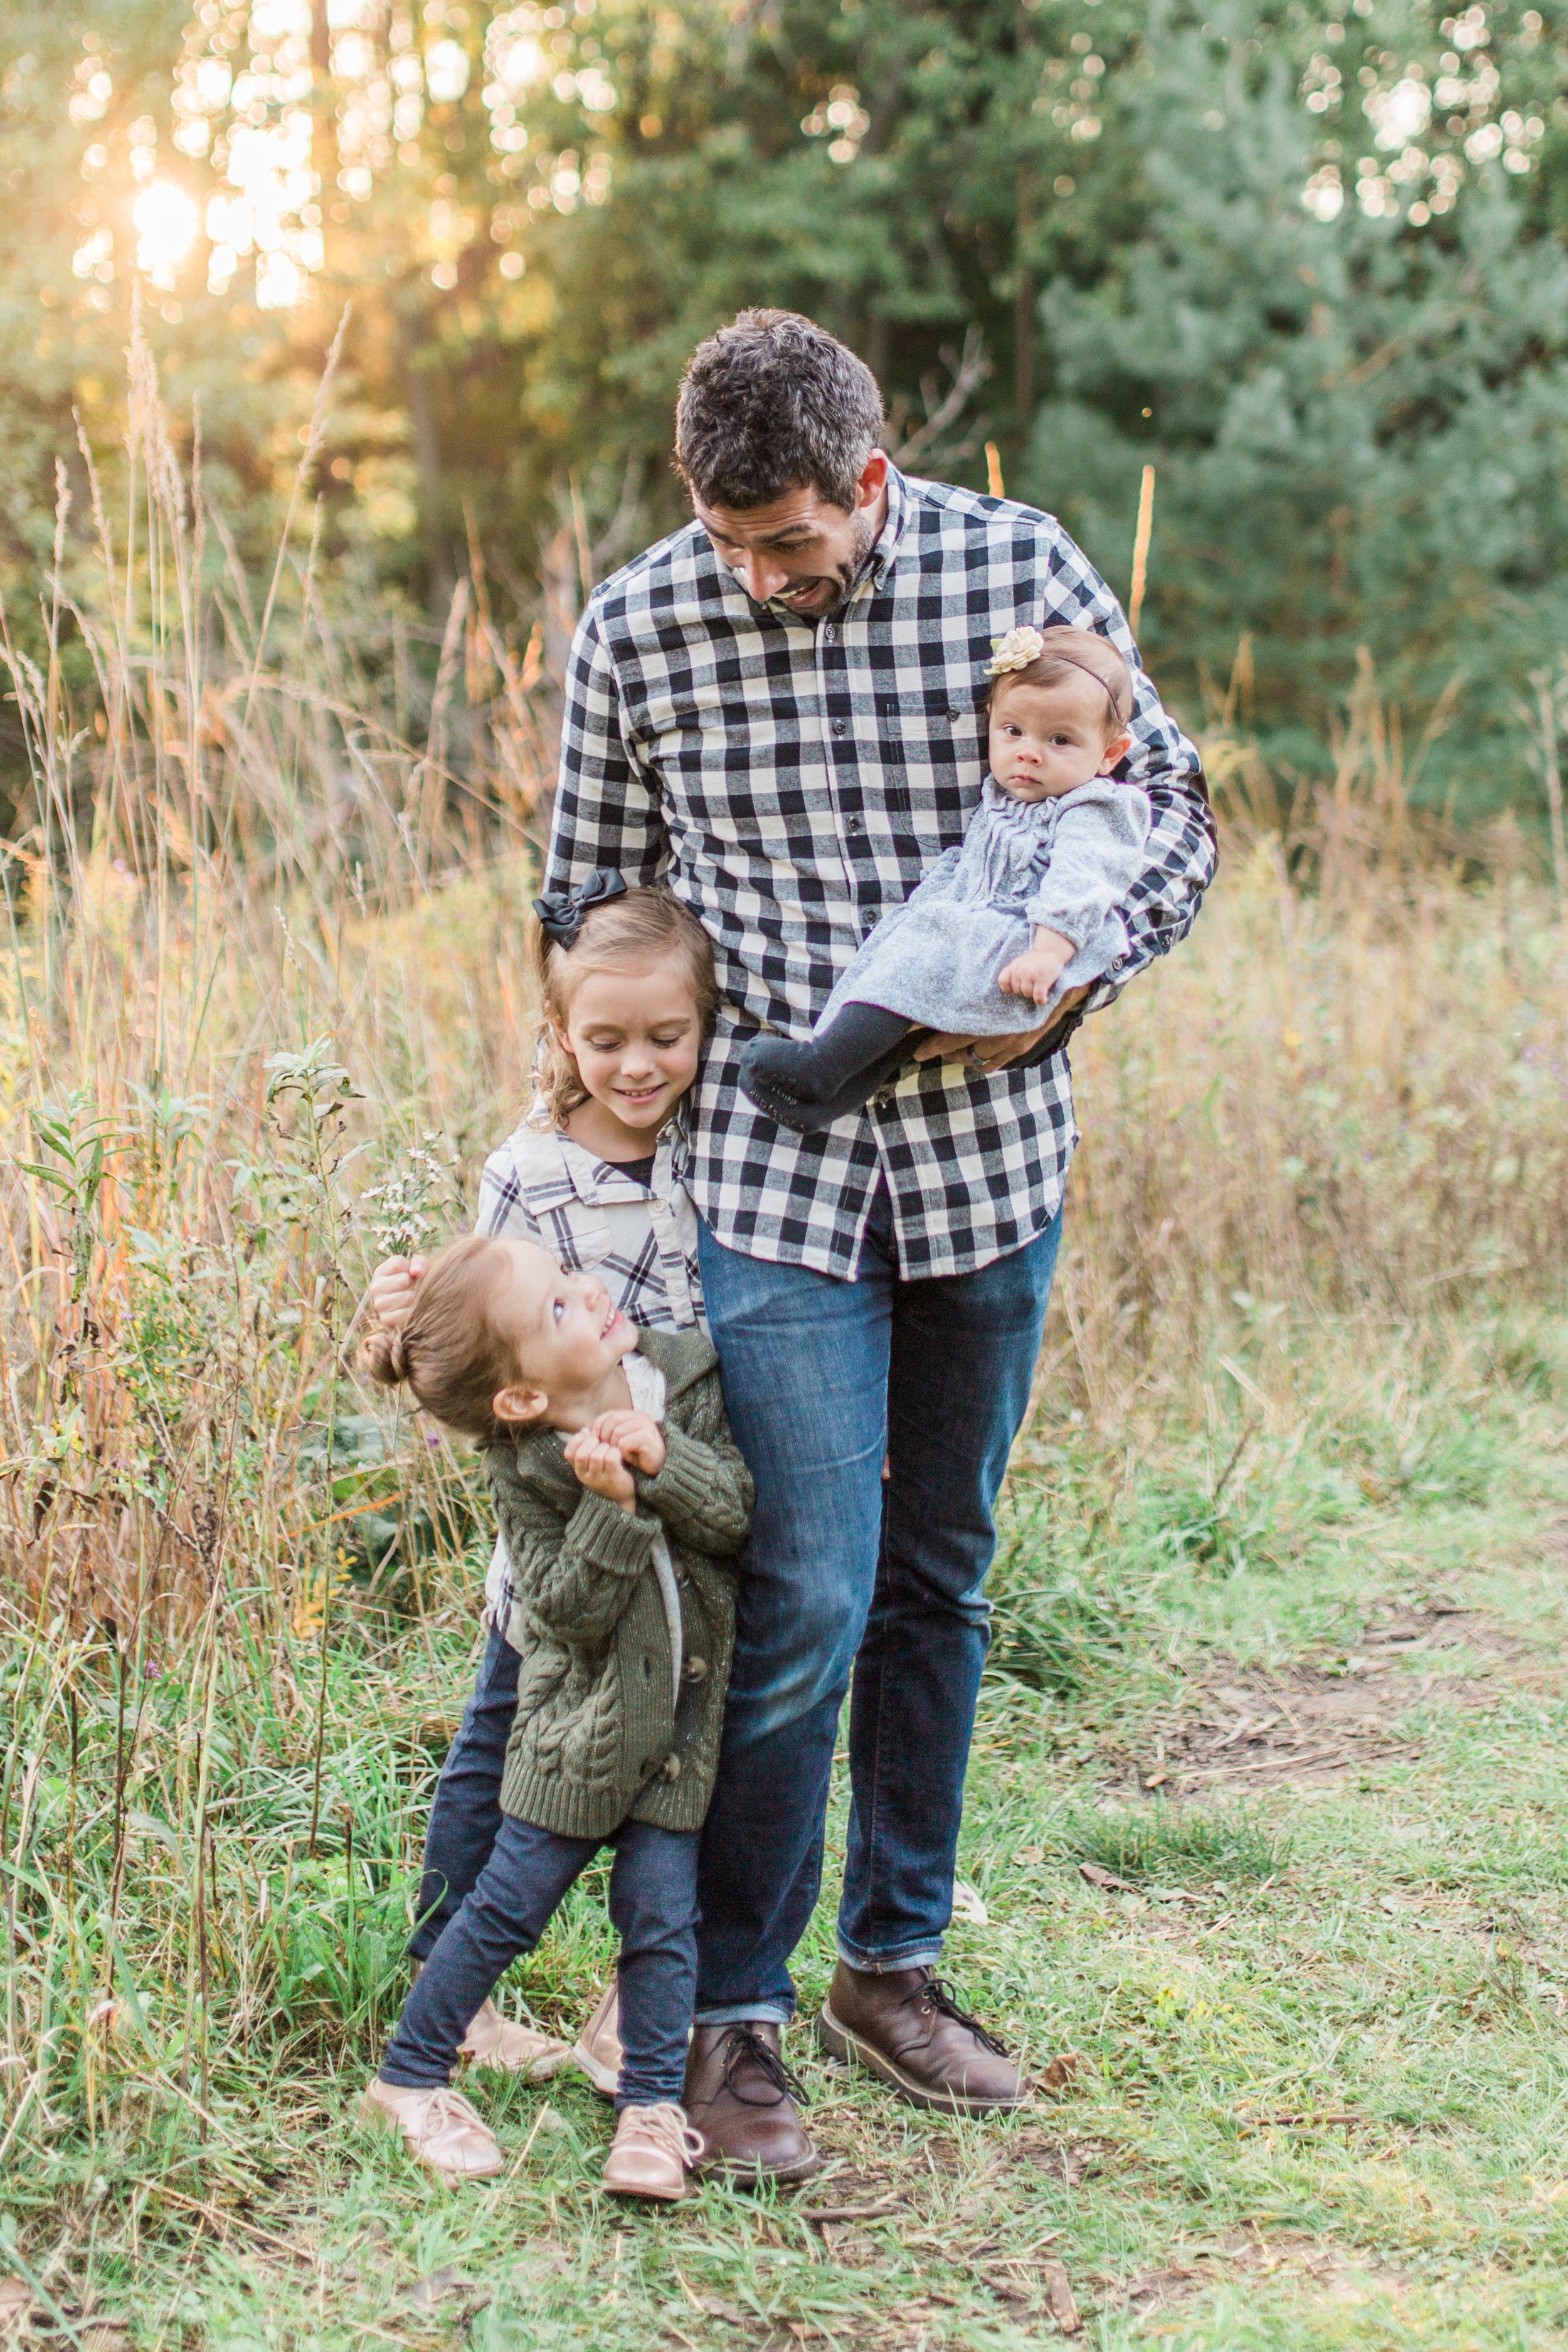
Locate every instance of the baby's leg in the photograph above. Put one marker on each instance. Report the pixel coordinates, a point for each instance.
(806, 1086)
(653, 1905)
(503, 1915)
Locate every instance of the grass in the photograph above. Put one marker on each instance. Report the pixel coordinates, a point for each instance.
(1279, 1655)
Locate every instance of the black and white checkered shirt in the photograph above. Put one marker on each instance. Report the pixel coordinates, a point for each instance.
(792, 780)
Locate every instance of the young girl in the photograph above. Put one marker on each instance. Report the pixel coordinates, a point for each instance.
(622, 1500)
(1021, 910)
(593, 1175)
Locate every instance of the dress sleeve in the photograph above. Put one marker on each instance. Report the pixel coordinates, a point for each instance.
(607, 809)
(1098, 848)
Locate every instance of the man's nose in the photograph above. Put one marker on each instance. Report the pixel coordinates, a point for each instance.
(761, 579)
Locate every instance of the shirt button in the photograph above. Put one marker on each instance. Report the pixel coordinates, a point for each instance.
(953, 717)
(831, 631)
(695, 1670)
(670, 1768)
(841, 727)
(854, 824)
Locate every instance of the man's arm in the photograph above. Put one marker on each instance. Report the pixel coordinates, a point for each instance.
(606, 804)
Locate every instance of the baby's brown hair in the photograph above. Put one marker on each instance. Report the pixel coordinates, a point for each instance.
(448, 1351)
(1066, 650)
(637, 928)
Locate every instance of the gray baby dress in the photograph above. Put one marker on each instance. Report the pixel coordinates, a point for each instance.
(1064, 863)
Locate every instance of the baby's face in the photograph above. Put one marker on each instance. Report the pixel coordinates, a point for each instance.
(1047, 740)
(567, 1330)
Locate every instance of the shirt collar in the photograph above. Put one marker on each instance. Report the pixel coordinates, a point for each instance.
(589, 1176)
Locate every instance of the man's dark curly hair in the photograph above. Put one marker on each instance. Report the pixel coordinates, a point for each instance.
(774, 403)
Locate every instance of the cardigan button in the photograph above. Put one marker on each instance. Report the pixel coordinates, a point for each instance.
(670, 1768)
(695, 1670)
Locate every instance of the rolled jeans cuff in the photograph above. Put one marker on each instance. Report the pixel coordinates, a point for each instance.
(746, 2012)
(923, 1955)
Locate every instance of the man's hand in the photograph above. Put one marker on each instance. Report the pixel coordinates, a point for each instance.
(637, 1437)
(990, 1055)
(1035, 975)
(600, 1468)
(391, 1289)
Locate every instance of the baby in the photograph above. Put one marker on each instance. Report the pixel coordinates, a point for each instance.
(1022, 910)
(623, 1505)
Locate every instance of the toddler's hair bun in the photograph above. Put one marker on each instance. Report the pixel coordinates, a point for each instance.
(387, 1359)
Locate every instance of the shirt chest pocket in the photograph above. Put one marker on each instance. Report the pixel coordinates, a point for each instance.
(934, 764)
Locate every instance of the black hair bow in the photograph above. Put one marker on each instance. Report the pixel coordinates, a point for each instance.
(562, 912)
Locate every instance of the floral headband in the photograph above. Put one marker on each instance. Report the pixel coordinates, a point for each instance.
(1016, 650)
(1021, 646)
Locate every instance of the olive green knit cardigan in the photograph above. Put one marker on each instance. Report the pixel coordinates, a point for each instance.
(598, 1736)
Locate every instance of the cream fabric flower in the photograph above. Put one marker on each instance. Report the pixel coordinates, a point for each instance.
(1016, 650)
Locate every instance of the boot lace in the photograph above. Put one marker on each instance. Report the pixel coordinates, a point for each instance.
(938, 1997)
(746, 2047)
(667, 2127)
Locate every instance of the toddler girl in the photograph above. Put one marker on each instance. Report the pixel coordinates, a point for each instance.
(621, 1499)
(1021, 908)
(594, 1175)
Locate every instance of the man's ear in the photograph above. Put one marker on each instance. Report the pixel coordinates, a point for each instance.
(518, 1407)
(873, 481)
(1117, 748)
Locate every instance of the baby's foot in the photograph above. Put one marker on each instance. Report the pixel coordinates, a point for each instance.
(768, 1080)
(655, 2149)
(440, 2128)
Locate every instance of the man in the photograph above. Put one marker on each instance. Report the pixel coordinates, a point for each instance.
(775, 709)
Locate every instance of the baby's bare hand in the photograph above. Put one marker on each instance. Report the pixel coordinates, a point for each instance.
(601, 1468)
(638, 1437)
(391, 1289)
(1035, 975)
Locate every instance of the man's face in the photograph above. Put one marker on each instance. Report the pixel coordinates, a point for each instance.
(799, 551)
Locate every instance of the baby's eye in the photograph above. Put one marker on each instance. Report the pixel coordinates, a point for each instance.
(673, 1040)
(558, 1310)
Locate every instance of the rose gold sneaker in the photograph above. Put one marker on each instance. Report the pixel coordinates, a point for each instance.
(440, 2128)
(598, 2046)
(493, 2040)
(655, 2149)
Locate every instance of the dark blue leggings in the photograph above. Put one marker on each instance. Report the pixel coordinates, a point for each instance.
(653, 1906)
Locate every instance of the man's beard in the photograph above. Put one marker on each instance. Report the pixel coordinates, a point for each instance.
(843, 579)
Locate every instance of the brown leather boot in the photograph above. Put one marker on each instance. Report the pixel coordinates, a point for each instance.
(905, 2025)
(742, 2097)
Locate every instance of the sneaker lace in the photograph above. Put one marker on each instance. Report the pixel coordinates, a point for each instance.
(939, 1998)
(667, 2127)
(746, 2047)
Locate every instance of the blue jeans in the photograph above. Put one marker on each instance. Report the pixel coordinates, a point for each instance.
(466, 1815)
(822, 1378)
(653, 1906)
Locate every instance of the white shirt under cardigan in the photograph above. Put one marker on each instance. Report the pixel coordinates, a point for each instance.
(639, 1239)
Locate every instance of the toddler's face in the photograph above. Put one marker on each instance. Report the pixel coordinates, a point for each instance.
(636, 1038)
(1047, 740)
(566, 1330)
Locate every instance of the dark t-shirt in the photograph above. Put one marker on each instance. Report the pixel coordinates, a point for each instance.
(640, 1170)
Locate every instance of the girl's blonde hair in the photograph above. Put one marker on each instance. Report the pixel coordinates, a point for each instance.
(449, 1351)
(642, 927)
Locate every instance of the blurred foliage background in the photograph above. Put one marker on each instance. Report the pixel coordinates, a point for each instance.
(1307, 260)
